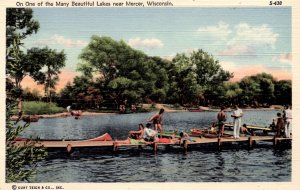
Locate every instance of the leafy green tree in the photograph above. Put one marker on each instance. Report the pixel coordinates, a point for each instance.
(232, 93)
(184, 80)
(52, 61)
(20, 160)
(122, 72)
(198, 77)
(19, 24)
(250, 91)
(283, 92)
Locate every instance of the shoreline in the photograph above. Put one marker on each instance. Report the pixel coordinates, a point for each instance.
(169, 110)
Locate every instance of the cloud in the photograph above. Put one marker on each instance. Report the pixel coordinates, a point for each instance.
(237, 50)
(240, 71)
(257, 35)
(61, 40)
(240, 39)
(283, 58)
(221, 30)
(151, 43)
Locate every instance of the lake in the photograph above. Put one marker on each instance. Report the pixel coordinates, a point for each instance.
(235, 163)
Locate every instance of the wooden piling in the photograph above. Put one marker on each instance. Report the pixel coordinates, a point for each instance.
(69, 148)
(155, 147)
(185, 146)
(219, 143)
(275, 142)
(250, 141)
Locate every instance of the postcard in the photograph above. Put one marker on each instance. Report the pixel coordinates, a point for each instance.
(165, 94)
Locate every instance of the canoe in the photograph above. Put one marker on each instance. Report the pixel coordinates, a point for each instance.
(251, 127)
(30, 118)
(104, 137)
(195, 110)
(203, 133)
(76, 113)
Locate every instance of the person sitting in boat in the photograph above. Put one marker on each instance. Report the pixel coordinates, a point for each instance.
(212, 129)
(273, 125)
(150, 135)
(244, 130)
(137, 134)
(184, 137)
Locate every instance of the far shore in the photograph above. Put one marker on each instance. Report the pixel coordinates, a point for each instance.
(157, 107)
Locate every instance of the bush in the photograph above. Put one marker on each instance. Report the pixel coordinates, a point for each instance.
(38, 108)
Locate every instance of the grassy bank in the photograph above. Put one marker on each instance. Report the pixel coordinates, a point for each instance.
(38, 108)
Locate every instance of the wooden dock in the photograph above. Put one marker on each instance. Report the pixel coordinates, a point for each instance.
(115, 145)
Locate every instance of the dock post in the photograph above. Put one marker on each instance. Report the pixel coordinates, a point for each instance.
(185, 146)
(69, 148)
(250, 141)
(275, 142)
(155, 146)
(115, 147)
(219, 143)
(140, 147)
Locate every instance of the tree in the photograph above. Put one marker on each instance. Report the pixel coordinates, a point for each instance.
(123, 72)
(52, 61)
(232, 93)
(283, 92)
(184, 80)
(20, 161)
(19, 24)
(198, 76)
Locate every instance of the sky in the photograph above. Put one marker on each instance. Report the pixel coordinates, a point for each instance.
(246, 41)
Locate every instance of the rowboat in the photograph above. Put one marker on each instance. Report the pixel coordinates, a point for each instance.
(30, 118)
(104, 137)
(250, 127)
(204, 133)
(195, 110)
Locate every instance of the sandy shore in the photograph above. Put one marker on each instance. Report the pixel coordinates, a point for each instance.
(157, 106)
(64, 114)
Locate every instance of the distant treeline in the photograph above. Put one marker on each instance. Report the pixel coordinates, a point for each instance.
(113, 73)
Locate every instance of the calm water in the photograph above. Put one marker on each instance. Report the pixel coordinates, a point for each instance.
(200, 164)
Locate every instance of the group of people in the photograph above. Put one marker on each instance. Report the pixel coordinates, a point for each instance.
(282, 124)
(75, 113)
(147, 133)
(237, 121)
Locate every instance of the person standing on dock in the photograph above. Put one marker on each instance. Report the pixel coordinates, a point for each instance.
(279, 125)
(287, 118)
(157, 121)
(237, 121)
(221, 119)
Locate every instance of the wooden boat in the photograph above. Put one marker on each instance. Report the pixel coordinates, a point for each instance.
(104, 137)
(76, 113)
(204, 133)
(195, 110)
(250, 127)
(30, 118)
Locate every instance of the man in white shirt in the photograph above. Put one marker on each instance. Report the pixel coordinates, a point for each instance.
(237, 121)
(287, 117)
(149, 134)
